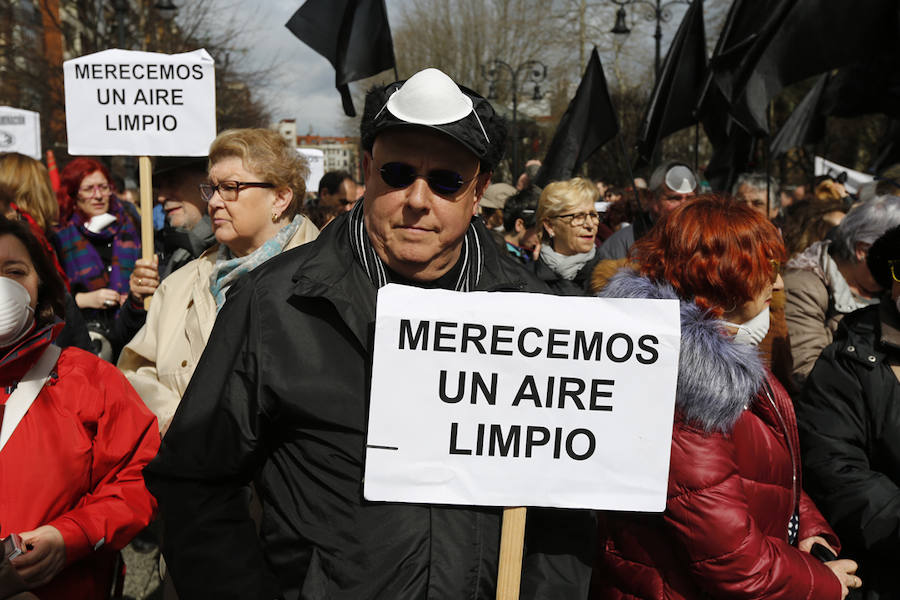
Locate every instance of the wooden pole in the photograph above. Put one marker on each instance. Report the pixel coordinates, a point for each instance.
(146, 174)
(512, 544)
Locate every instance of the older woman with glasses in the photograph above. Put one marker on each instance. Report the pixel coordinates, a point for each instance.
(849, 418)
(99, 248)
(569, 221)
(256, 186)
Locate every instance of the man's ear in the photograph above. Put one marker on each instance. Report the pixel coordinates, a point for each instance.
(368, 162)
(861, 249)
(481, 184)
(519, 227)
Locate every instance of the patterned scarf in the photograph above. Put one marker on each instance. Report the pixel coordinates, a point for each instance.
(83, 264)
(472, 254)
(229, 268)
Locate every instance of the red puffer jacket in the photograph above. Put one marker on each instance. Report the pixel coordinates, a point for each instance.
(74, 462)
(734, 484)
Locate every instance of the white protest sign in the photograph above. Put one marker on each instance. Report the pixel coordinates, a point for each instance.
(20, 131)
(315, 159)
(855, 179)
(122, 102)
(515, 399)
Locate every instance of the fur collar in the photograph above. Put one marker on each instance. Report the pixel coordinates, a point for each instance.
(717, 378)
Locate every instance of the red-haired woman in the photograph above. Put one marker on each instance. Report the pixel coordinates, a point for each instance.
(99, 247)
(737, 523)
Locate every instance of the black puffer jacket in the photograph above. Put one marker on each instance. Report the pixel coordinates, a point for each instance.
(849, 418)
(280, 398)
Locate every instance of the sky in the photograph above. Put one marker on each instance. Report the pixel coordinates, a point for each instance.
(302, 85)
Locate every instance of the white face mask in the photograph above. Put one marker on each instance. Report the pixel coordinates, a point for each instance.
(753, 331)
(16, 314)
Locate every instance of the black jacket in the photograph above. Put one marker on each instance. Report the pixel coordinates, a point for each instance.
(280, 398)
(849, 419)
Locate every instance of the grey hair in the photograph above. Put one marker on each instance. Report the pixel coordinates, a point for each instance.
(758, 181)
(865, 223)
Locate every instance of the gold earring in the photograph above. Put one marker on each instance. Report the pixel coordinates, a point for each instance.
(274, 217)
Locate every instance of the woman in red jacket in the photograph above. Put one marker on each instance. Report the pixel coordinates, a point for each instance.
(737, 523)
(74, 437)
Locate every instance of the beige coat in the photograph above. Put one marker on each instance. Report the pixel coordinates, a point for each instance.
(161, 359)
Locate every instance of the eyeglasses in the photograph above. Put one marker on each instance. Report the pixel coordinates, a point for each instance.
(895, 269)
(777, 269)
(441, 181)
(89, 190)
(228, 190)
(579, 219)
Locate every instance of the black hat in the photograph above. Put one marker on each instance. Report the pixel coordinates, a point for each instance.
(432, 100)
(165, 165)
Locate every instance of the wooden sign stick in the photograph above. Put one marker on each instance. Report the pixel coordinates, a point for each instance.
(146, 174)
(512, 544)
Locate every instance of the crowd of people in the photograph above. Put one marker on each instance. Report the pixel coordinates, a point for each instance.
(230, 416)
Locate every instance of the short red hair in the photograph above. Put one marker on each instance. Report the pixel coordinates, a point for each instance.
(713, 251)
(70, 179)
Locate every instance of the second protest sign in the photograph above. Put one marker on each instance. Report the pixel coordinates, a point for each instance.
(513, 399)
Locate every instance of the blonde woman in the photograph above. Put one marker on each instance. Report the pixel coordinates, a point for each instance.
(256, 186)
(569, 222)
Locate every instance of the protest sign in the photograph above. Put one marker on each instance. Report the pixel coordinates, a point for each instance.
(121, 102)
(316, 161)
(854, 179)
(518, 399)
(20, 131)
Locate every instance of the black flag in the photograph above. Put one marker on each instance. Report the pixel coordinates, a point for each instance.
(672, 104)
(805, 124)
(353, 35)
(588, 123)
(795, 47)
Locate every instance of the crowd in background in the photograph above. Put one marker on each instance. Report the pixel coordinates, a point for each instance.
(807, 274)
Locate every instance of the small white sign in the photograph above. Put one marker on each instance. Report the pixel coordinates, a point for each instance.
(20, 131)
(123, 102)
(855, 179)
(515, 399)
(316, 161)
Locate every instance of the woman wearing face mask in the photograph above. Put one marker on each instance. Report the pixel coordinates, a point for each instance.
(256, 185)
(849, 418)
(737, 523)
(74, 438)
(100, 248)
(569, 221)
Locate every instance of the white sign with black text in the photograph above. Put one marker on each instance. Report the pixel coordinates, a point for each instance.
(516, 399)
(20, 131)
(123, 102)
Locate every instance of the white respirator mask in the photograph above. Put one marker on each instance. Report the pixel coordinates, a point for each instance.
(16, 314)
(753, 331)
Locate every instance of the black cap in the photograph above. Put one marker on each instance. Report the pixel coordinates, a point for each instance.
(165, 165)
(432, 100)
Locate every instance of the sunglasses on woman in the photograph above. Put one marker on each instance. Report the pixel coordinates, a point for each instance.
(441, 181)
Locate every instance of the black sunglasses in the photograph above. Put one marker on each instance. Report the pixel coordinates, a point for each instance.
(441, 181)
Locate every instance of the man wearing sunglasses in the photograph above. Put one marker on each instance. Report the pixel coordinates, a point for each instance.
(290, 410)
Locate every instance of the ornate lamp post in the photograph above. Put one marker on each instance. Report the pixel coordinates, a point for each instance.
(530, 71)
(659, 11)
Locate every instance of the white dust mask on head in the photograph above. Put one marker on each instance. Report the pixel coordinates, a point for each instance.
(753, 331)
(16, 314)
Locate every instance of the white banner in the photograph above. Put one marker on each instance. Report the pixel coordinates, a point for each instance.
(20, 131)
(122, 102)
(515, 399)
(855, 179)
(316, 161)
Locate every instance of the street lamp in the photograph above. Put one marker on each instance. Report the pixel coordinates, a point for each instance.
(661, 13)
(533, 71)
